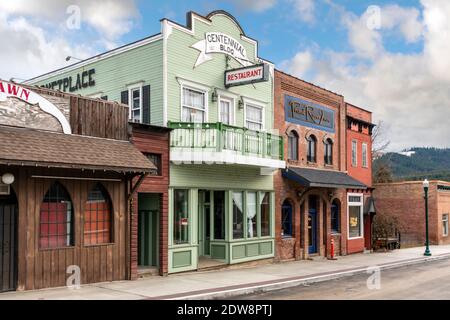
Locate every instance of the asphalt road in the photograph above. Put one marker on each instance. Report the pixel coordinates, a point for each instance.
(424, 281)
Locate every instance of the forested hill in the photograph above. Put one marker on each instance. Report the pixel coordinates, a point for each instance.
(418, 164)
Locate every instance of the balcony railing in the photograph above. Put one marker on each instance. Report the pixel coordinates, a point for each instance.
(220, 137)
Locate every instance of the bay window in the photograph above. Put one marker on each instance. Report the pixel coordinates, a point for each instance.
(181, 216)
(238, 215)
(193, 105)
(251, 215)
(265, 214)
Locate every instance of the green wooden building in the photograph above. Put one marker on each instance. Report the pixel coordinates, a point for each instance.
(205, 81)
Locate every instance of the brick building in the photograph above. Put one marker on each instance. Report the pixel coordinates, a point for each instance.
(317, 196)
(405, 201)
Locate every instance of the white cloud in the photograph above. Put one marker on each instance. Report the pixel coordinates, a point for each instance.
(305, 9)
(254, 5)
(39, 39)
(408, 91)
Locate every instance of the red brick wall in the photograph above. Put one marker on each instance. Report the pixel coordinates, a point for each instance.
(359, 172)
(405, 201)
(153, 141)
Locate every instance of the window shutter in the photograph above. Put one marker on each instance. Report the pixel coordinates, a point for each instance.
(146, 104)
(124, 97)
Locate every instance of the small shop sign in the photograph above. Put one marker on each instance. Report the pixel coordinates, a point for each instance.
(184, 222)
(247, 75)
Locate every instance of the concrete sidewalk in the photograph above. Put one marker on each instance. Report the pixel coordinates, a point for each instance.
(229, 283)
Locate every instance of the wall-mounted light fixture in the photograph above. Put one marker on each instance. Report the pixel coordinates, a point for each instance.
(241, 104)
(214, 96)
(8, 178)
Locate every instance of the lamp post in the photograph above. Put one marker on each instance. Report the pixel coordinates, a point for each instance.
(426, 186)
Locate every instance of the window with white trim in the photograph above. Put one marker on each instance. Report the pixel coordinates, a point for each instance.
(445, 225)
(226, 114)
(364, 155)
(193, 105)
(355, 216)
(354, 153)
(254, 117)
(135, 103)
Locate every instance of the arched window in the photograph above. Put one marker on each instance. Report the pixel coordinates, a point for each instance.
(328, 152)
(335, 217)
(286, 220)
(293, 145)
(312, 148)
(56, 219)
(98, 217)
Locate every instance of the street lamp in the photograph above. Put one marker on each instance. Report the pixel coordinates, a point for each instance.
(426, 186)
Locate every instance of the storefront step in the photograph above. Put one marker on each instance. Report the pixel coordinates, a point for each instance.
(146, 272)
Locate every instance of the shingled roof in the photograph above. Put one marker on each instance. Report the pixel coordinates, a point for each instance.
(26, 147)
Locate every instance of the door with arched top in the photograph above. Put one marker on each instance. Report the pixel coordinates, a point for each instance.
(8, 242)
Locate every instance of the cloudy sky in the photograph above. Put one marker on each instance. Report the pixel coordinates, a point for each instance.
(391, 57)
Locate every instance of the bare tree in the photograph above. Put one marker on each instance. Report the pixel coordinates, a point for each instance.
(380, 141)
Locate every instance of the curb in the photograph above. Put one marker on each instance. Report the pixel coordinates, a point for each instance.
(255, 288)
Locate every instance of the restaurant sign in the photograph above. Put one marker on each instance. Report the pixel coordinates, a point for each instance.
(217, 42)
(247, 75)
(309, 114)
(30, 113)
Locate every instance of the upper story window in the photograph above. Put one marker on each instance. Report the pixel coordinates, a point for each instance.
(354, 153)
(365, 156)
(156, 159)
(312, 148)
(193, 105)
(135, 103)
(254, 119)
(226, 108)
(293, 146)
(328, 152)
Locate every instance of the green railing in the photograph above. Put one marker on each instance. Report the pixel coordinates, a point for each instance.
(219, 137)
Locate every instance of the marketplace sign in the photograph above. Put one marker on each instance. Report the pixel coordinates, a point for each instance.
(217, 42)
(12, 90)
(247, 75)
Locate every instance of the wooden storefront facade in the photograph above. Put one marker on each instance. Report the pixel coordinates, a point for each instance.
(67, 174)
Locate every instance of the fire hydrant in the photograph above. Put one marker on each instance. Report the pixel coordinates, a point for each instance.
(332, 257)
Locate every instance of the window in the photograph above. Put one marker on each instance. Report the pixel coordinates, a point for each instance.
(293, 146)
(265, 214)
(135, 104)
(328, 152)
(254, 117)
(181, 216)
(219, 215)
(98, 220)
(355, 216)
(312, 143)
(193, 106)
(286, 220)
(364, 155)
(156, 159)
(251, 215)
(335, 217)
(354, 153)
(56, 219)
(226, 114)
(445, 225)
(238, 216)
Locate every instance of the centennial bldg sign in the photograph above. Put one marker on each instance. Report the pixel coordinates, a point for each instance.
(217, 42)
(309, 114)
(243, 76)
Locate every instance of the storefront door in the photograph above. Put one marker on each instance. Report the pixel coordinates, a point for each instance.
(8, 244)
(148, 230)
(312, 231)
(204, 223)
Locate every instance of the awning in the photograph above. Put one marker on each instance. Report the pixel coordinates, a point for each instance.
(312, 178)
(369, 206)
(27, 147)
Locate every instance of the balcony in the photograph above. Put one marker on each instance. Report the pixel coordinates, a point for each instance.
(216, 143)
